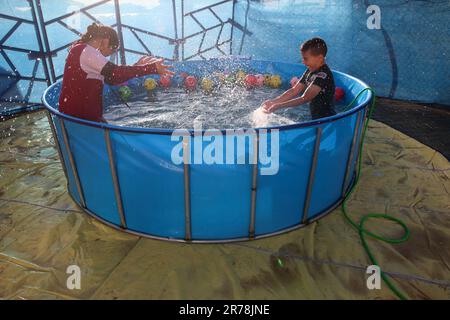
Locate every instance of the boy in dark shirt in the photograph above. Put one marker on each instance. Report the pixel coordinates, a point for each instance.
(316, 85)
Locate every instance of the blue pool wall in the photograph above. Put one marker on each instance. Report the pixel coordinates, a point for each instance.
(153, 188)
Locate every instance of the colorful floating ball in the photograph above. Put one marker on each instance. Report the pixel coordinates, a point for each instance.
(250, 81)
(190, 83)
(240, 76)
(125, 92)
(267, 79)
(207, 84)
(294, 81)
(150, 84)
(260, 80)
(230, 79)
(275, 81)
(339, 94)
(165, 81)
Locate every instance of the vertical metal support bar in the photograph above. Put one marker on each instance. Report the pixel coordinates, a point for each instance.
(45, 36)
(123, 60)
(182, 30)
(358, 145)
(254, 186)
(39, 40)
(232, 28)
(245, 27)
(176, 51)
(187, 189)
(112, 165)
(72, 163)
(312, 173)
(351, 154)
(58, 147)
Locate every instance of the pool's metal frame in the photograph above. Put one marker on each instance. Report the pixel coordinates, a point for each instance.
(303, 216)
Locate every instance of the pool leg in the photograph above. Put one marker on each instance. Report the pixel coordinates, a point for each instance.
(115, 179)
(254, 187)
(312, 173)
(72, 163)
(187, 190)
(58, 146)
(351, 154)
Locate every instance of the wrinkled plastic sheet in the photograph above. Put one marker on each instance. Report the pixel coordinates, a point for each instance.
(42, 232)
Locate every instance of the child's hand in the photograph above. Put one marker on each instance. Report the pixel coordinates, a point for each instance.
(145, 60)
(270, 106)
(163, 69)
(267, 105)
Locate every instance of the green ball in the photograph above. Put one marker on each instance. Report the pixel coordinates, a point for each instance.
(125, 92)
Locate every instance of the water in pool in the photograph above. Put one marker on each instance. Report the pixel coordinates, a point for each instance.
(224, 108)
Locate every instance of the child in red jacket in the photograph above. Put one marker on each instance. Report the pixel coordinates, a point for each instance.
(87, 69)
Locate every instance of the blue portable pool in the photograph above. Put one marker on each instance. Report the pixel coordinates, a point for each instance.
(126, 177)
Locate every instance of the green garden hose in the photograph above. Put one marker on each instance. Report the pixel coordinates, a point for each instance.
(360, 227)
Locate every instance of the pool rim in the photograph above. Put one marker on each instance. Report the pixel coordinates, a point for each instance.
(166, 131)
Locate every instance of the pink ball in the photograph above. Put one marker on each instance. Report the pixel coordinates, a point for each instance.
(294, 81)
(250, 81)
(165, 81)
(339, 94)
(260, 80)
(190, 82)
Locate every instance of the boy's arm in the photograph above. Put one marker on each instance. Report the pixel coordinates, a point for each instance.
(310, 93)
(291, 93)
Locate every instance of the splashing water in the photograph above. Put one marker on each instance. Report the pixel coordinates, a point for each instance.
(226, 108)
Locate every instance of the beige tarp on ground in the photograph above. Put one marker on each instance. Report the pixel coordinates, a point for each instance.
(42, 232)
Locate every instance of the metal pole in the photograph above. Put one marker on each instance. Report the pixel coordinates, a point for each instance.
(123, 60)
(176, 52)
(359, 144)
(312, 173)
(115, 178)
(39, 40)
(58, 147)
(351, 154)
(232, 28)
(45, 36)
(182, 30)
(187, 189)
(72, 163)
(254, 187)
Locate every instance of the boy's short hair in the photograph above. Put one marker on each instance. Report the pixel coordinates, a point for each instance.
(316, 45)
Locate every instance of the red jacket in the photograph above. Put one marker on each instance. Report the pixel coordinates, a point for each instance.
(85, 73)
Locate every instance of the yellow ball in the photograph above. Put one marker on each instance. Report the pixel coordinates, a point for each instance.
(275, 81)
(150, 84)
(207, 84)
(240, 76)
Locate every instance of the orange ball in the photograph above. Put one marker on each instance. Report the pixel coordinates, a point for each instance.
(250, 81)
(190, 83)
(165, 81)
(339, 94)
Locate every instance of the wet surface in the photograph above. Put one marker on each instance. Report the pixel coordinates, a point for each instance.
(42, 232)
